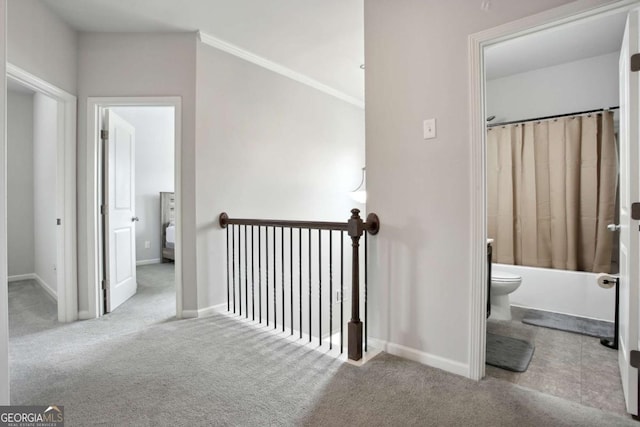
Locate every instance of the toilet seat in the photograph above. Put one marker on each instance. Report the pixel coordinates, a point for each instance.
(504, 277)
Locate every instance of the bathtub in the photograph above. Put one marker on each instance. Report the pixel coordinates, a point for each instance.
(560, 291)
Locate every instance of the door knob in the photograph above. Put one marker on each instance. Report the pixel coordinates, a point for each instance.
(613, 227)
(135, 219)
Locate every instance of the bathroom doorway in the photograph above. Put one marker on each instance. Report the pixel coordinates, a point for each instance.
(549, 136)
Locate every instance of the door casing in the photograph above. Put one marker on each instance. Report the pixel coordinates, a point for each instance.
(66, 243)
(95, 105)
(563, 15)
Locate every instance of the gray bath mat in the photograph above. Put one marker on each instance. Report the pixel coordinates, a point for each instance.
(508, 353)
(564, 322)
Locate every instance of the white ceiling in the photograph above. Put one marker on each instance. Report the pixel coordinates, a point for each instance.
(555, 46)
(322, 39)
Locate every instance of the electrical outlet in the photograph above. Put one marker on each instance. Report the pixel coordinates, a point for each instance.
(429, 128)
(147, 244)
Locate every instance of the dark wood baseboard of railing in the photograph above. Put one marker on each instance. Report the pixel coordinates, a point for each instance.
(354, 228)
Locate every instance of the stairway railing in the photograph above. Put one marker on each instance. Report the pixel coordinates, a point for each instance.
(257, 251)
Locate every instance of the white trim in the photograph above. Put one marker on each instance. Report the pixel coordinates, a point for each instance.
(569, 13)
(149, 261)
(21, 277)
(84, 315)
(66, 193)
(94, 104)
(276, 68)
(434, 361)
(33, 276)
(45, 286)
(207, 311)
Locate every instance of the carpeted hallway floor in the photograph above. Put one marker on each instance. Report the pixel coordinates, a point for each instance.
(156, 371)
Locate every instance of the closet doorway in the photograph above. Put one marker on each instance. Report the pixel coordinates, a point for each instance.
(42, 214)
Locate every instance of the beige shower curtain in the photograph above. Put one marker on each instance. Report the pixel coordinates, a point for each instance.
(551, 190)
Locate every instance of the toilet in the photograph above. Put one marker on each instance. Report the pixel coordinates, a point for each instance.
(502, 284)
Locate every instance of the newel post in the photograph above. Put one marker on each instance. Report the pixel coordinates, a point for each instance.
(355, 229)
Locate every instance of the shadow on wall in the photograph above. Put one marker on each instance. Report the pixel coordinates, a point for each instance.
(399, 261)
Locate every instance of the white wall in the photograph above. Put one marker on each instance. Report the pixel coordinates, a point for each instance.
(4, 299)
(41, 43)
(154, 172)
(417, 67)
(267, 147)
(139, 65)
(20, 183)
(45, 132)
(588, 84)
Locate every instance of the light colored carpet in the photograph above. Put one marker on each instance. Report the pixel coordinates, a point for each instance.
(221, 371)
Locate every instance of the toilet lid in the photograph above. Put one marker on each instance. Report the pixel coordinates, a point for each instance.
(502, 276)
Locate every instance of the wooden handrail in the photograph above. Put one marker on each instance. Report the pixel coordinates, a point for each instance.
(372, 226)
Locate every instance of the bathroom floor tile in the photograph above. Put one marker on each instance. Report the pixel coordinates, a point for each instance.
(551, 384)
(571, 366)
(601, 399)
(502, 374)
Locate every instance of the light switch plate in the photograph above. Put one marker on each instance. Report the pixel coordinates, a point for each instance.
(429, 128)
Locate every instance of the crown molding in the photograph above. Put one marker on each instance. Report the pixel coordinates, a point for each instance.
(276, 68)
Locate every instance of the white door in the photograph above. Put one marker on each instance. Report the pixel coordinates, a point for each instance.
(629, 193)
(120, 225)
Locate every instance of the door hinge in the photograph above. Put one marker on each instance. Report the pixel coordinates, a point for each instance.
(104, 284)
(635, 210)
(103, 209)
(635, 62)
(104, 134)
(634, 359)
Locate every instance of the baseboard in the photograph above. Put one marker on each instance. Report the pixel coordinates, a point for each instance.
(203, 312)
(39, 281)
(189, 314)
(428, 359)
(20, 277)
(149, 261)
(84, 315)
(212, 310)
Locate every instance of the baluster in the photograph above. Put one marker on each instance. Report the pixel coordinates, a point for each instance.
(246, 276)
(259, 275)
(341, 291)
(300, 277)
(228, 301)
(253, 278)
(275, 298)
(291, 277)
(233, 263)
(330, 290)
(320, 287)
(266, 266)
(282, 272)
(310, 330)
(240, 270)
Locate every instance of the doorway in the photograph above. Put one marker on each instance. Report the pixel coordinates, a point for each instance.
(569, 17)
(42, 214)
(137, 161)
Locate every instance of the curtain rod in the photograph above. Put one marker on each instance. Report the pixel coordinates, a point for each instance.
(551, 117)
